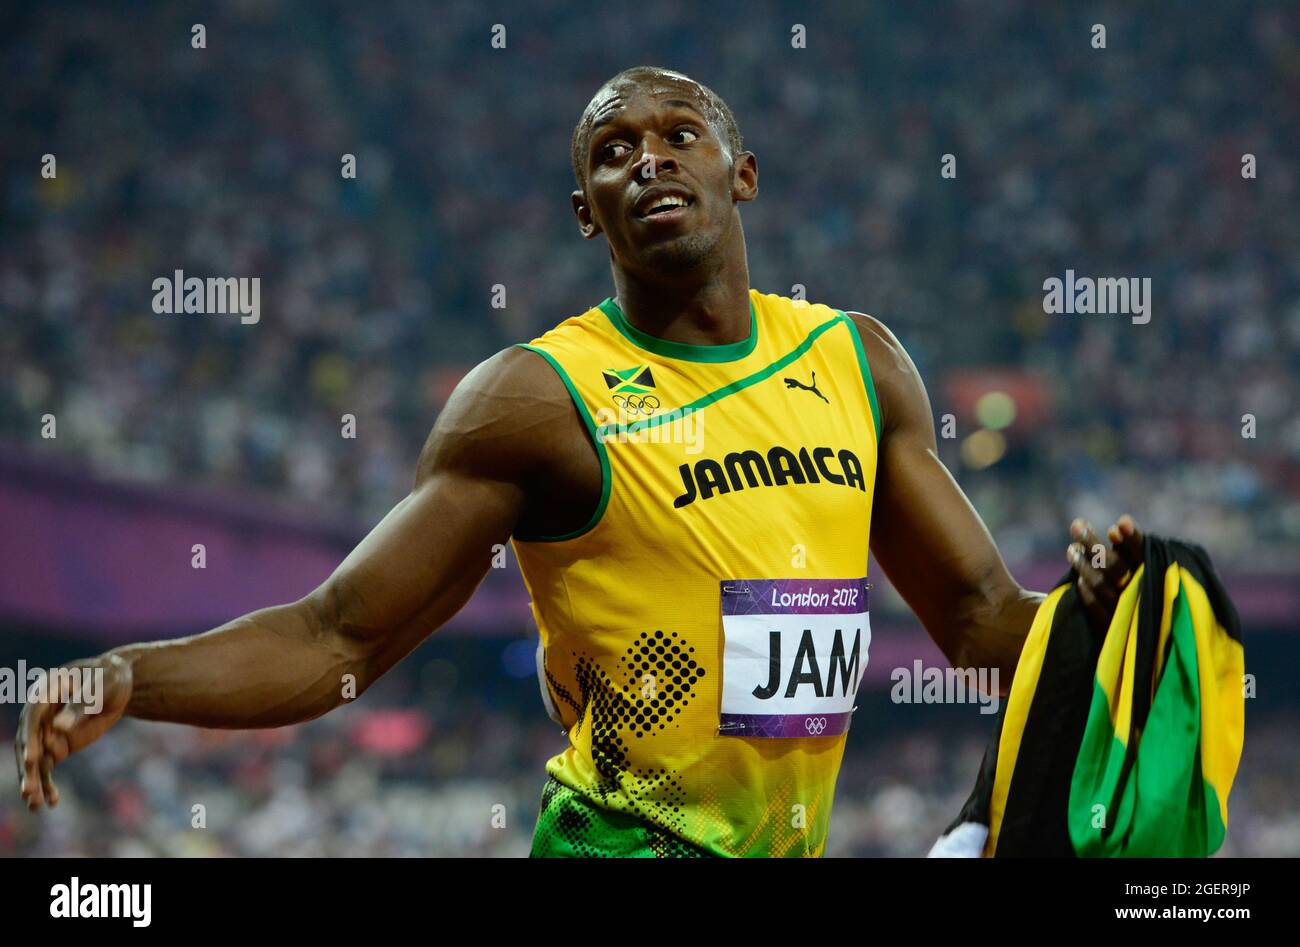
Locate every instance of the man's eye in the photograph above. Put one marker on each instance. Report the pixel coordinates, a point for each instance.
(615, 149)
(684, 136)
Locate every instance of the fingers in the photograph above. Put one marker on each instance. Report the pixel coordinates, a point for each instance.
(57, 742)
(56, 722)
(41, 742)
(1083, 533)
(1126, 539)
(47, 782)
(1090, 584)
(1101, 570)
(1099, 564)
(29, 746)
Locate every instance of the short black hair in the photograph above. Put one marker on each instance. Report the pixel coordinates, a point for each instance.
(716, 112)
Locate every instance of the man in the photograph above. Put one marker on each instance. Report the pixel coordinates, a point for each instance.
(701, 600)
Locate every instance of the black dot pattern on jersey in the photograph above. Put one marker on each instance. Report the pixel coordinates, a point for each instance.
(562, 692)
(659, 671)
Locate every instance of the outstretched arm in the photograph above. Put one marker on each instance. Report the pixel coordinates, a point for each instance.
(416, 569)
(933, 545)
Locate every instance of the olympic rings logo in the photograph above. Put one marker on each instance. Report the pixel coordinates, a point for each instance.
(637, 404)
(815, 725)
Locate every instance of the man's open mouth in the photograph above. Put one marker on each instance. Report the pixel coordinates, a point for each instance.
(668, 203)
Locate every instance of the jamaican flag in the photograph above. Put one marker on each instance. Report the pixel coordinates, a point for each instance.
(1123, 744)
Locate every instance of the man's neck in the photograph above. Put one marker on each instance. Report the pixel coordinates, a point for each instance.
(711, 310)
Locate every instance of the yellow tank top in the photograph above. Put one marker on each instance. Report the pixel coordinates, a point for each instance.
(703, 635)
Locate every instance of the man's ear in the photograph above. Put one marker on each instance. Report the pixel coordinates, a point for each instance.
(744, 177)
(586, 223)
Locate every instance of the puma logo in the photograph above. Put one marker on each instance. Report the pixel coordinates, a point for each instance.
(795, 383)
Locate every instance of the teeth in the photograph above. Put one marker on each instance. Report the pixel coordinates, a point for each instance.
(670, 201)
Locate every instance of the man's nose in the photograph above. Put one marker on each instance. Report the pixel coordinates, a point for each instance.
(656, 158)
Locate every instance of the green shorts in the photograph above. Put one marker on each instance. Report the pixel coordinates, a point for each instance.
(572, 826)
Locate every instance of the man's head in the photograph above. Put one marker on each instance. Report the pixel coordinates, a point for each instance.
(658, 161)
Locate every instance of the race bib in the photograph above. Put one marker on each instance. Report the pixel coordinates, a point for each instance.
(794, 654)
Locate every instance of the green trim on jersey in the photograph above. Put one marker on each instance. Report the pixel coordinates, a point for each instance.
(571, 826)
(605, 477)
(866, 372)
(738, 385)
(729, 352)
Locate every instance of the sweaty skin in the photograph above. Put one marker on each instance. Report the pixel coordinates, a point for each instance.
(509, 453)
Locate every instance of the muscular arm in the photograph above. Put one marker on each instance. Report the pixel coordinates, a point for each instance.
(926, 535)
(413, 572)
(499, 437)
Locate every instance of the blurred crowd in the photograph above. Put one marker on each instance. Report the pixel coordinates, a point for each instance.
(367, 781)
(377, 291)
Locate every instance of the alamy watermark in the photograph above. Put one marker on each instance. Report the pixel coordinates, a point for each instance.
(1104, 295)
(24, 685)
(939, 685)
(637, 424)
(216, 294)
(77, 899)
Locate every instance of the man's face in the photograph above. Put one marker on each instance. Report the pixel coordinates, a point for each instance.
(661, 184)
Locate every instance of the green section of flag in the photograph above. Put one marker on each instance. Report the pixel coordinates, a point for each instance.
(1153, 798)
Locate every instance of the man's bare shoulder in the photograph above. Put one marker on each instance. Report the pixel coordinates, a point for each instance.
(881, 345)
(899, 388)
(504, 418)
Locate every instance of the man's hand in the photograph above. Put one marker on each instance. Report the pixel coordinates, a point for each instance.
(1103, 573)
(53, 728)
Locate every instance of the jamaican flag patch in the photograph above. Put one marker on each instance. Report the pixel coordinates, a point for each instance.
(634, 380)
